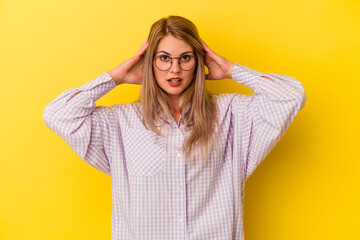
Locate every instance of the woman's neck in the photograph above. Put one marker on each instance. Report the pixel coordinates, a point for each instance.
(174, 104)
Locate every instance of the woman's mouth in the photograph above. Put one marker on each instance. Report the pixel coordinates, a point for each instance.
(174, 81)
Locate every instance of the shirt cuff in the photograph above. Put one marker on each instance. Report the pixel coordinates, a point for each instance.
(103, 79)
(99, 86)
(247, 76)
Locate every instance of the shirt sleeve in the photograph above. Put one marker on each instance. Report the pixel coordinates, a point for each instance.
(83, 125)
(266, 114)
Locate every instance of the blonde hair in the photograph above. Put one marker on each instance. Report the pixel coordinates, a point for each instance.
(201, 116)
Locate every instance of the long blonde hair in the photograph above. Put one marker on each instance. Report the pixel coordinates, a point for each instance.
(201, 117)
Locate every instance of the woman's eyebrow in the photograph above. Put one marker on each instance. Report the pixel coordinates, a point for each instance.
(170, 54)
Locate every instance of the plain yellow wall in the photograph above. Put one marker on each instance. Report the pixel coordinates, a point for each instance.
(307, 188)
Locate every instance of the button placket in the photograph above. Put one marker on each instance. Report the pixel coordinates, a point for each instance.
(179, 183)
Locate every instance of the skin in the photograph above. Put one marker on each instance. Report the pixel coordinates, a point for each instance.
(175, 48)
(130, 70)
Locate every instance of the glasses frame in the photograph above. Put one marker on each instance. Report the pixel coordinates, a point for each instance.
(171, 62)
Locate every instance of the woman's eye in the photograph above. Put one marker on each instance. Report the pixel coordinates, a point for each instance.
(185, 58)
(164, 58)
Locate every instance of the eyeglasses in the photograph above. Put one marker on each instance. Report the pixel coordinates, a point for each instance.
(164, 62)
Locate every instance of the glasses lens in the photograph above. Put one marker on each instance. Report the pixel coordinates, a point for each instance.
(187, 62)
(163, 62)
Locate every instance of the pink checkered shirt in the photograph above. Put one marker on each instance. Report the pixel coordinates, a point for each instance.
(155, 195)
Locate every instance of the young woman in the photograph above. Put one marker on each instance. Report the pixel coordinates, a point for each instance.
(144, 146)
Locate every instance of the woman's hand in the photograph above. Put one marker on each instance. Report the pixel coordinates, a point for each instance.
(219, 67)
(130, 70)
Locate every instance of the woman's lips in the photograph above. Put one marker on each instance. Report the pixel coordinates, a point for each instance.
(174, 81)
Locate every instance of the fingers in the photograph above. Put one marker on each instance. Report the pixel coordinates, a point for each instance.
(146, 40)
(138, 56)
(143, 47)
(207, 77)
(206, 48)
(209, 54)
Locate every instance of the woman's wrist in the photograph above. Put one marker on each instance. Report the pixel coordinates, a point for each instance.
(230, 69)
(114, 76)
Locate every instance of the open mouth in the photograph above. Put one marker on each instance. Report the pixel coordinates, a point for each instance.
(175, 80)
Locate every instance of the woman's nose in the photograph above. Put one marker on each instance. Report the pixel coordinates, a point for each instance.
(175, 66)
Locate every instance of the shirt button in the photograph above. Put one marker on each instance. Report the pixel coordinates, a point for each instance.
(180, 219)
(179, 187)
(178, 154)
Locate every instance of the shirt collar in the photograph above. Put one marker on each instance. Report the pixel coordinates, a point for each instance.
(163, 116)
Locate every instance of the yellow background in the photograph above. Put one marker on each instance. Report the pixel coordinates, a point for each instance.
(307, 188)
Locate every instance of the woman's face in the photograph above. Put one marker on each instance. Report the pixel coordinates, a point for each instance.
(170, 46)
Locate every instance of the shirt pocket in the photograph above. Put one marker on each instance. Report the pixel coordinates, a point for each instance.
(144, 152)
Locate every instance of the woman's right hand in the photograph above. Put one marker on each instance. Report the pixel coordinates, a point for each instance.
(130, 70)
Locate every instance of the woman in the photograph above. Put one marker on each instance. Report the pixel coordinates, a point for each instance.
(144, 146)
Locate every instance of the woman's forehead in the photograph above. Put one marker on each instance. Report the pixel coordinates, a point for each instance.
(173, 45)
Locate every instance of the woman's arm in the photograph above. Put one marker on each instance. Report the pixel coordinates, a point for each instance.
(266, 114)
(87, 128)
(263, 117)
(80, 123)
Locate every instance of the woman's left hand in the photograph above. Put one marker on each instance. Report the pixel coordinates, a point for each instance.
(219, 67)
